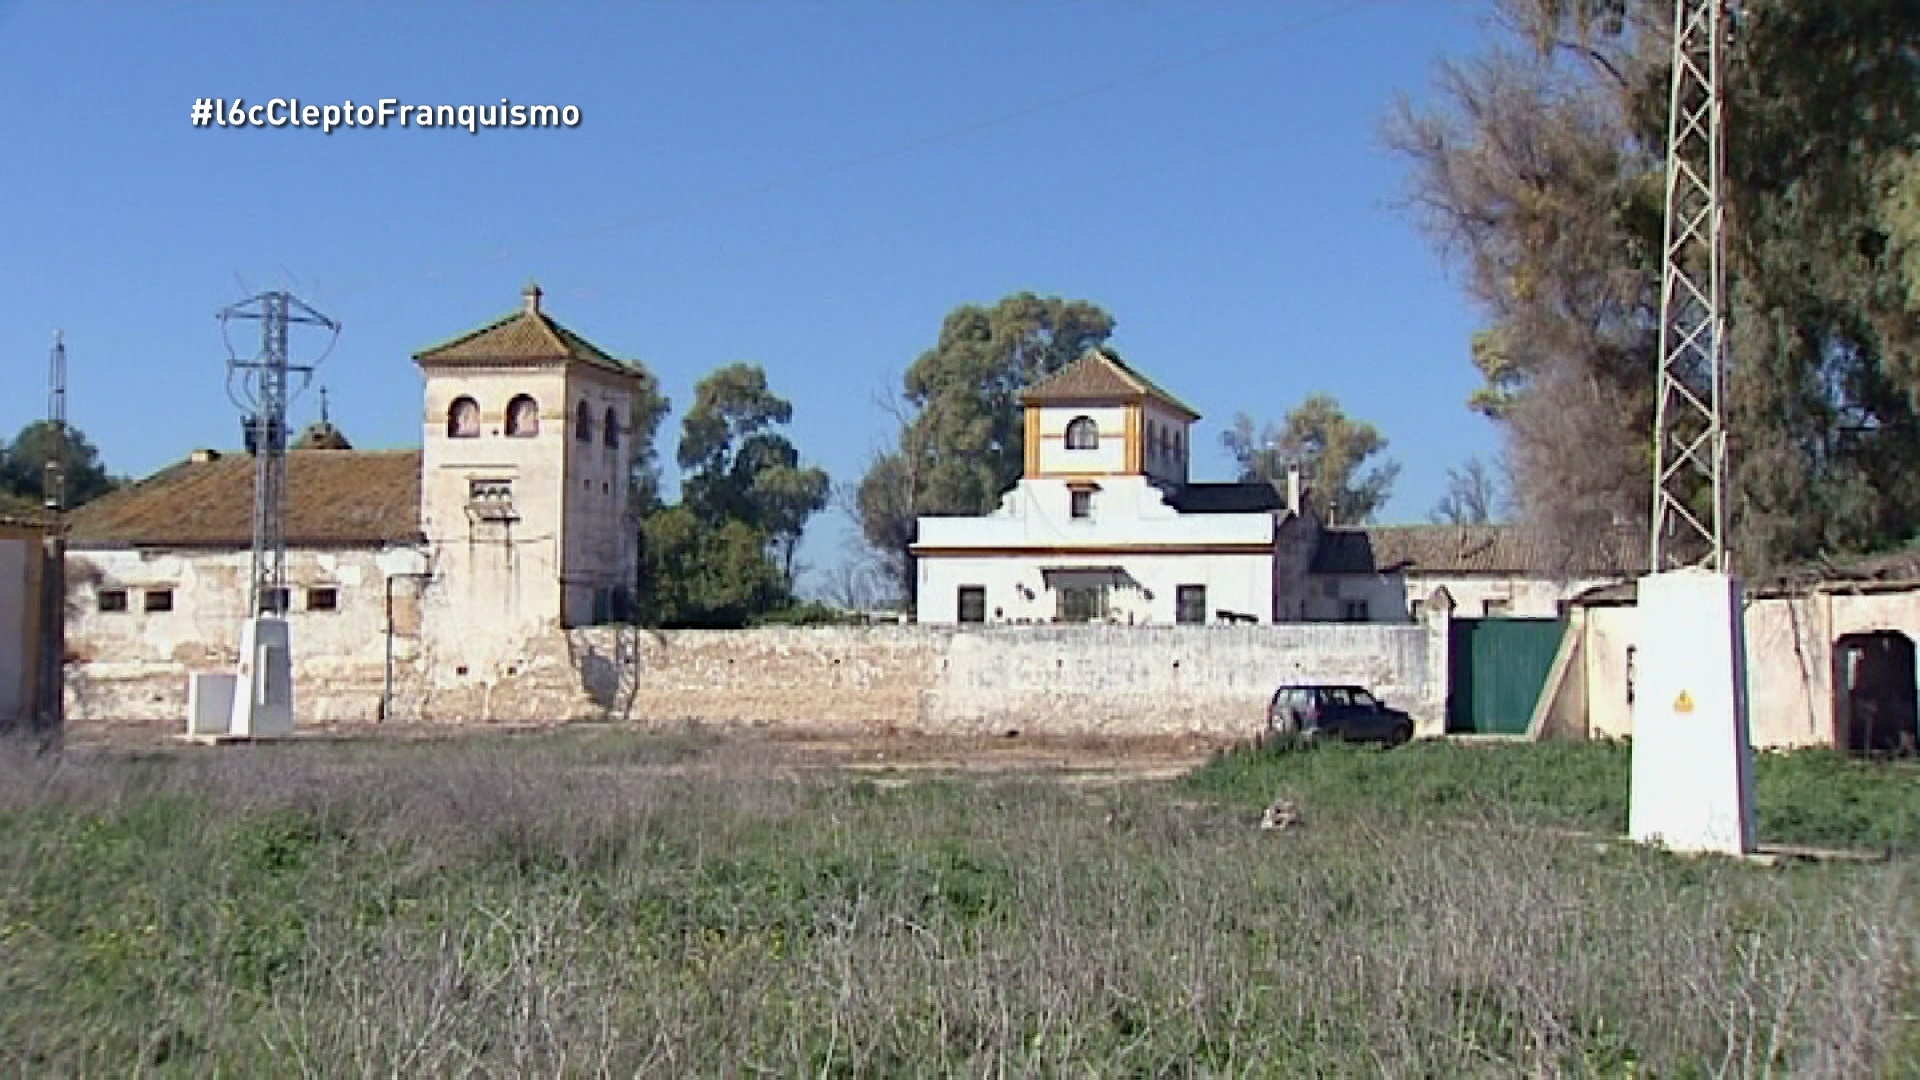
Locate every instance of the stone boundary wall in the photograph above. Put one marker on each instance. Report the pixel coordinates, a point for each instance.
(1038, 680)
(1042, 680)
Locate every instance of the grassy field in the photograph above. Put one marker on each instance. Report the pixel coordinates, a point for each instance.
(608, 904)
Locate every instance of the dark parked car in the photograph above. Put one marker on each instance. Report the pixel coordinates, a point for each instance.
(1332, 710)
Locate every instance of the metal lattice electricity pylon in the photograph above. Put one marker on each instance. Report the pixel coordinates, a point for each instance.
(262, 395)
(1690, 441)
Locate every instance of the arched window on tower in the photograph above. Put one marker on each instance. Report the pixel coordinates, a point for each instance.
(463, 418)
(582, 423)
(610, 429)
(1082, 434)
(523, 417)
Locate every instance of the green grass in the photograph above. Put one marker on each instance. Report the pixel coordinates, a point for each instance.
(610, 904)
(1808, 797)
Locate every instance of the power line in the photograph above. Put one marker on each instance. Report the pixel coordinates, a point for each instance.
(499, 251)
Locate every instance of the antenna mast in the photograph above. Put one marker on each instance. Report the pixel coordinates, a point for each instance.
(53, 486)
(262, 394)
(1690, 439)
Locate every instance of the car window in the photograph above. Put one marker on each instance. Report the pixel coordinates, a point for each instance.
(1335, 696)
(1365, 700)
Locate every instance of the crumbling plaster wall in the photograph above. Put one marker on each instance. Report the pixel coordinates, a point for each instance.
(1080, 680)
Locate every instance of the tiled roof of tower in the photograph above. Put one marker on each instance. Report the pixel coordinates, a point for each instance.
(1101, 376)
(345, 498)
(1462, 549)
(527, 336)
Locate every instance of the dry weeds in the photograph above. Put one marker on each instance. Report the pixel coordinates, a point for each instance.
(617, 905)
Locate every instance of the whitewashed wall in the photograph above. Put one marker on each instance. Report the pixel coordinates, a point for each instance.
(1021, 590)
(156, 650)
(495, 575)
(598, 550)
(1231, 554)
(1790, 662)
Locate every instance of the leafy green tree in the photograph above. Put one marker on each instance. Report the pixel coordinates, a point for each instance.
(1332, 450)
(697, 574)
(740, 469)
(1540, 167)
(960, 439)
(23, 465)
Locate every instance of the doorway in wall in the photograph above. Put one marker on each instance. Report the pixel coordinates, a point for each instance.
(1874, 702)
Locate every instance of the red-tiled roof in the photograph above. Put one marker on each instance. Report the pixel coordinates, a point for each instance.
(527, 336)
(334, 498)
(1463, 549)
(1101, 376)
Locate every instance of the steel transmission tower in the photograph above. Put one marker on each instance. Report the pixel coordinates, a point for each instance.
(259, 387)
(1690, 441)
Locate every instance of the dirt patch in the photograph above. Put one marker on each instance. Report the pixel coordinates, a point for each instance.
(1084, 761)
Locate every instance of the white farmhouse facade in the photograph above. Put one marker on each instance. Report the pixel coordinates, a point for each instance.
(1104, 525)
(507, 523)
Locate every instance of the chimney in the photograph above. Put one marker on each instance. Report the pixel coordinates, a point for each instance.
(1293, 489)
(202, 456)
(530, 298)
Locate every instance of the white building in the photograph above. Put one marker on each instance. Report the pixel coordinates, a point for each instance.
(1105, 525)
(508, 522)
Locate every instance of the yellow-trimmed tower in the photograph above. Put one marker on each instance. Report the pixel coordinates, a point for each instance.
(1097, 418)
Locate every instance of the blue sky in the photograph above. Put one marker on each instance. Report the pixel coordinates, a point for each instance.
(810, 185)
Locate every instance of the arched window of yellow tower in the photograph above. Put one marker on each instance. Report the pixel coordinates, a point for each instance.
(1082, 434)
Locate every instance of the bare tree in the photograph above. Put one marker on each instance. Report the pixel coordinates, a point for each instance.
(1473, 496)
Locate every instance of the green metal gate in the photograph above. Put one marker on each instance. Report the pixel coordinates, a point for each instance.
(1498, 667)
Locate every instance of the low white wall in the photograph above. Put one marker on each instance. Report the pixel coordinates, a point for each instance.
(1079, 680)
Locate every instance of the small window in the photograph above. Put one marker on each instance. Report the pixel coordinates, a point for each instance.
(523, 417)
(111, 600)
(323, 598)
(1354, 611)
(610, 430)
(1153, 432)
(1190, 604)
(1494, 608)
(1417, 608)
(274, 602)
(463, 419)
(583, 423)
(1082, 504)
(973, 603)
(490, 500)
(157, 600)
(1083, 434)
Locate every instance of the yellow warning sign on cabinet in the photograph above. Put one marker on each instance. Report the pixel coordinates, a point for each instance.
(1683, 703)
